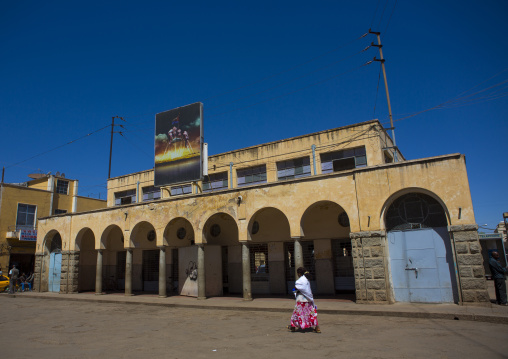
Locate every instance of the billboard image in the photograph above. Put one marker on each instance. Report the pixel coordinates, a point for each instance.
(178, 135)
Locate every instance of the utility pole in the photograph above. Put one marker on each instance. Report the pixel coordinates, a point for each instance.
(382, 60)
(111, 142)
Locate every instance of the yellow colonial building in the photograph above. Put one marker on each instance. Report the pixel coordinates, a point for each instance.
(335, 202)
(21, 204)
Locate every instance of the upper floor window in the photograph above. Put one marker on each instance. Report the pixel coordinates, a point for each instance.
(251, 175)
(125, 197)
(151, 193)
(179, 190)
(216, 181)
(60, 211)
(343, 160)
(295, 168)
(62, 186)
(26, 216)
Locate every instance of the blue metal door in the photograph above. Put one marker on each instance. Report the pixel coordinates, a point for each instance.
(55, 269)
(422, 268)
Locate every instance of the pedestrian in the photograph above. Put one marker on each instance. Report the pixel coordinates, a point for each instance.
(499, 276)
(305, 313)
(13, 273)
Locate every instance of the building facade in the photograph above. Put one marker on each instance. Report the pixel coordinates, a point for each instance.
(333, 201)
(20, 207)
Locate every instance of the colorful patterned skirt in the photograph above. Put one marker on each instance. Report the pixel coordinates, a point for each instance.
(304, 315)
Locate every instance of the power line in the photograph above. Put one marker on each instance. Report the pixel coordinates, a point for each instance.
(295, 91)
(273, 75)
(374, 16)
(393, 9)
(382, 14)
(293, 79)
(56, 148)
(459, 100)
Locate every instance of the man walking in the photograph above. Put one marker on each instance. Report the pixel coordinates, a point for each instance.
(14, 273)
(499, 276)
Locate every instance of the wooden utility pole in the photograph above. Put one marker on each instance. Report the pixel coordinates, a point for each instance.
(111, 142)
(382, 60)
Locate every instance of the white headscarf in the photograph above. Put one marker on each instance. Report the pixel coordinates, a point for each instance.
(303, 285)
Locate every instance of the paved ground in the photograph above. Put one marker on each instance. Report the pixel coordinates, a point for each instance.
(38, 327)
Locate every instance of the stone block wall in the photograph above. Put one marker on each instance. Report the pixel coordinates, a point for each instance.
(370, 267)
(38, 272)
(472, 283)
(70, 271)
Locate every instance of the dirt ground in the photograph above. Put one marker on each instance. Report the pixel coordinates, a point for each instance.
(42, 328)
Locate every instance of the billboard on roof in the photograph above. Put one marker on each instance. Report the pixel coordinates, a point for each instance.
(178, 145)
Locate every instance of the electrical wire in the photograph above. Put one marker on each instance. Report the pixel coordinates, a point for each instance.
(56, 148)
(293, 79)
(390, 18)
(374, 16)
(270, 76)
(382, 14)
(294, 91)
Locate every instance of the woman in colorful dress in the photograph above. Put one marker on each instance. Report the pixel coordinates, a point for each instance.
(305, 315)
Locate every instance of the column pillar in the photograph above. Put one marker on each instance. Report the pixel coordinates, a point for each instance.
(247, 288)
(128, 272)
(98, 273)
(201, 272)
(298, 256)
(162, 273)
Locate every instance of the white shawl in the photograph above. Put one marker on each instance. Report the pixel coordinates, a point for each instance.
(303, 285)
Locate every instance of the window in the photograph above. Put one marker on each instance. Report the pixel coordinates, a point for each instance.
(343, 160)
(26, 216)
(151, 193)
(388, 157)
(62, 186)
(60, 211)
(125, 197)
(216, 181)
(179, 190)
(251, 175)
(295, 168)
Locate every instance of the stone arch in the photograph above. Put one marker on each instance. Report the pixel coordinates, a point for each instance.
(269, 224)
(113, 258)
(221, 229)
(179, 232)
(85, 244)
(145, 257)
(143, 235)
(327, 248)
(52, 261)
(109, 235)
(324, 219)
(421, 260)
(400, 195)
(52, 241)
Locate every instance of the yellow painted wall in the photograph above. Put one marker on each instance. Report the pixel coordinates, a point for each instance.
(360, 193)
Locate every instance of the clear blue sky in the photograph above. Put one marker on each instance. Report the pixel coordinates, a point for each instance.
(67, 67)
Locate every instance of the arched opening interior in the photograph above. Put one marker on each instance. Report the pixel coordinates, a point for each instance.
(270, 253)
(113, 259)
(422, 268)
(85, 244)
(222, 255)
(145, 258)
(53, 261)
(327, 250)
(178, 234)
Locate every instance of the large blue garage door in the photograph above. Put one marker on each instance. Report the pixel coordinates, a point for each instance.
(55, 269)
(422, 268)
